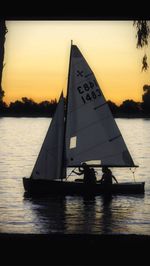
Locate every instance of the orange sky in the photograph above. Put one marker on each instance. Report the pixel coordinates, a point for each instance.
(37, 58)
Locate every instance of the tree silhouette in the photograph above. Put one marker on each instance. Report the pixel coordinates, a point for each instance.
(27, 107)
(113, 107)
(143, 34)
(3, 31)
(130, 107)
(146, 99)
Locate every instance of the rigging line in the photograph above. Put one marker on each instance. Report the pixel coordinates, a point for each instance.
(70, 173)
(133, 172)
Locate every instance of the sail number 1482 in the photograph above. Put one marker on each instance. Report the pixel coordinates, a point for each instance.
(89, 91)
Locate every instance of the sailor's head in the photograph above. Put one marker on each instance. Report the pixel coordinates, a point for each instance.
(84, 165)
(104, 169)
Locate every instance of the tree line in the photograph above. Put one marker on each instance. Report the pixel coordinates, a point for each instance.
(28, 107)
(130, 108)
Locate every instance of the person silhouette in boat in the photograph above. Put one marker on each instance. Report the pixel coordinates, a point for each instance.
(88, 172)
(107, 177)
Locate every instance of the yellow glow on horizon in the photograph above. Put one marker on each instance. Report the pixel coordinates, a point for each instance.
(37, 58)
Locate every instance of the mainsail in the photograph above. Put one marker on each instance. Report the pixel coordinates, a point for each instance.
(49, 161)
(91, 131)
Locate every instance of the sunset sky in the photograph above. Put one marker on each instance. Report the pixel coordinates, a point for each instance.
(37, 58)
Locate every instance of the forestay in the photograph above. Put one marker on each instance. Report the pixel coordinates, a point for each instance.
(49, 161)
(91, 133)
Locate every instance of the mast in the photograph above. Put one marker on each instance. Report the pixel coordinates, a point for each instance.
(66, 110)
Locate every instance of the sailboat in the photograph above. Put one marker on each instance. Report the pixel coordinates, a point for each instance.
(82, 130)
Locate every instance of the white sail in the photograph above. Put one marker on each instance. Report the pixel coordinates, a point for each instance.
(49, 161)
(91, 132)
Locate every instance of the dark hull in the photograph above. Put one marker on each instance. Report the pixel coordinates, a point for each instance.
(51, 187)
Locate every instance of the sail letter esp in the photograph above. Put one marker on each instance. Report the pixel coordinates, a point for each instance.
(90, 120)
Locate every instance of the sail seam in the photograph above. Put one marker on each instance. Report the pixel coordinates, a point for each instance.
(91, 124)
(87, 75)
(83, 105)
(103, 157)
(79, 107)
(93, 147)
(115, 138)
(99, 106)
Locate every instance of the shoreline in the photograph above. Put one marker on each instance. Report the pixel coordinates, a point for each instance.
(74, 249)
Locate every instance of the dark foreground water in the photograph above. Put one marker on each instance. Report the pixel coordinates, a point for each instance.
(21, 139)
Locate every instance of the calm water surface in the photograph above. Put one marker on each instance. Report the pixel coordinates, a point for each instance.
(21, 139)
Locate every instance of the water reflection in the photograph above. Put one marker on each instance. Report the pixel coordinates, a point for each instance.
(92, 215)
(89, 214)
(50, 213)
(64, 214)
(106, 209)
(71, 214)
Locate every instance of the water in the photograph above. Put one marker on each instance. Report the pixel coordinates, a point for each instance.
(21, 139)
